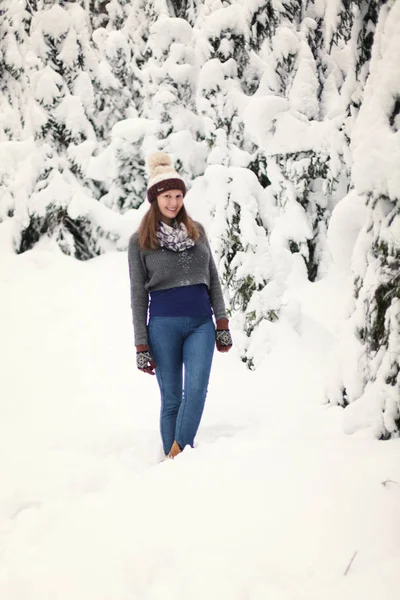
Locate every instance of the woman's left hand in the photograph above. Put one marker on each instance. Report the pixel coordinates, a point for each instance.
(223, 338)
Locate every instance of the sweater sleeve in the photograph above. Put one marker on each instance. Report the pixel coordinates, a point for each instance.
(216, 296)
(139, 294)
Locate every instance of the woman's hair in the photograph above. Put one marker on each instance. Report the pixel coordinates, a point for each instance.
(148, 227)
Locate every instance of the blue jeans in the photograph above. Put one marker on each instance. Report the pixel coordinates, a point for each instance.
(181, 346)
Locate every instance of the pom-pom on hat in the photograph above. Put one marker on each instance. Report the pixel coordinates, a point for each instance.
(163, 176)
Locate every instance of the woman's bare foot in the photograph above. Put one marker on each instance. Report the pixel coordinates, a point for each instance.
(175, 450)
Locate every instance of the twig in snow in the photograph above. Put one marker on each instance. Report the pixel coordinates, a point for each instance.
(384, 483)
(350, 563)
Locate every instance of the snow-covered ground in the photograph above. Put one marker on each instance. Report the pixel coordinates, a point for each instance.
(275, 502)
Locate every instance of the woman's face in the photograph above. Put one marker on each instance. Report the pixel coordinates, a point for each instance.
(170, 203)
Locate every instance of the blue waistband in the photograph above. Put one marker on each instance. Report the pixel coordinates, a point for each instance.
(185, 301)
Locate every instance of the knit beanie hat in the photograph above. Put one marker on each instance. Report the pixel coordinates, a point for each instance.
(163, 176)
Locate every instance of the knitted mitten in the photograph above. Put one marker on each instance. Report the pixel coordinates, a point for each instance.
(143, 359)
(223, 337)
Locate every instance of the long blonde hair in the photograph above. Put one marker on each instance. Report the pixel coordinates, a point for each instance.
(148, 227)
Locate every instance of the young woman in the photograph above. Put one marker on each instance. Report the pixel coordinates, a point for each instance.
(175, 282)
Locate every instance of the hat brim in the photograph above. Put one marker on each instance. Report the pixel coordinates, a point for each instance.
(174, 183)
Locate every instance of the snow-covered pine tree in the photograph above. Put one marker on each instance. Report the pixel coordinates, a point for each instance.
(230, 75)
(98, 13)
(163, 116)
(14, 83)
(300, 115)
(169, 82)
(235, 195)
(307, 172)
(14, 21)
(193, 10)
(161, 112)
(119, 167)
(62, 96)
(369, 387)
(117, 86)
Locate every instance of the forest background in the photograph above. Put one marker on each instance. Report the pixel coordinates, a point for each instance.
(282, 116)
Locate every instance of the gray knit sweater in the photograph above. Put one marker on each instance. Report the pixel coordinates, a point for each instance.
(161, 269)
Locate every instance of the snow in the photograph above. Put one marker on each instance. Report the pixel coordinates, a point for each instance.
(328, 10)
(211, 75)
(12, 55)
(285, 42)
(134, 130)
(275, 500)
(303, 93)
(366, 370)
(346, 222)
(54, 22)
(168, 30)
(192, 153)
(71, 113)
(47, 84)
(84, 89)
(375, 144)
(270, 123)
(286, 495)
(261, 113)
(81, 153)
(230, 20)
(102, 166)
(70, 51)
(106, 77)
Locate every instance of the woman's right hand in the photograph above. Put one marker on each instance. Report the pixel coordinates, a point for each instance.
(144, 361)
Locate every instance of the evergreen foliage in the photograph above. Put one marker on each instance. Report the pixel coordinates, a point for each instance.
(371, 393)
(257, 101)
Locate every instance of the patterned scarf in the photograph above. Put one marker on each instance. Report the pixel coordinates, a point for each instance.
(174, 238)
